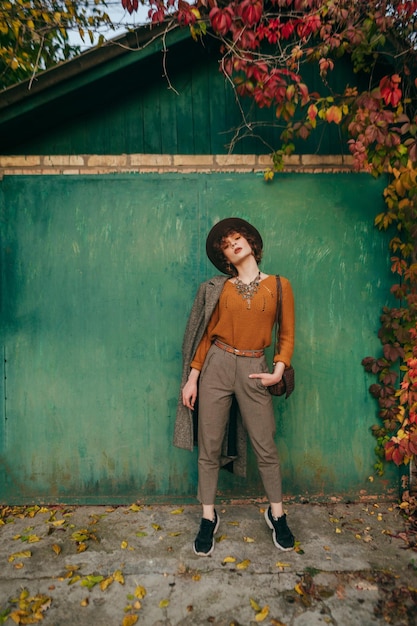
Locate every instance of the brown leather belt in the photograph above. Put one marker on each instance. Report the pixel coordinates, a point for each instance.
(249, 353)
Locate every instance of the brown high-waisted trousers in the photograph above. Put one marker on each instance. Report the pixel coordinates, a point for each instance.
(224, 375)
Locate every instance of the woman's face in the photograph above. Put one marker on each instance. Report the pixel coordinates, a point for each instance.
(236, 248)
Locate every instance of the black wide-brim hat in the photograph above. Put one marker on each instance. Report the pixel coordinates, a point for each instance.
(221, 229)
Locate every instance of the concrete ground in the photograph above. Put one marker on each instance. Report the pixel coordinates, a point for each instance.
(354, 565)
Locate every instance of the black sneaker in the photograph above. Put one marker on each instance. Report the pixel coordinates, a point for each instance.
(204, 542)
(281, 534)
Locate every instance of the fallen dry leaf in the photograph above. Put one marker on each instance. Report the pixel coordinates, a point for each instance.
(163, 604)
(118, 577)
(129, 619)
(229, 559)
(105, 584)
(177, 512)
(57, 549)
(248, 539)
(259, 617)
(26, 554)
(82, 547)
(300, 589)
(243, 564)
(140, 592)
(254, 605)
(91, 581)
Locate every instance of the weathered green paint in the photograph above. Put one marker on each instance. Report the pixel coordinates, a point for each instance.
(97, 277)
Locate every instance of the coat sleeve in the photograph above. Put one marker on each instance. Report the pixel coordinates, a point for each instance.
(204, 303)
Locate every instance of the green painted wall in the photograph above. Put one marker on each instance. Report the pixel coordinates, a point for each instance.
(97, 278)
(133, 110)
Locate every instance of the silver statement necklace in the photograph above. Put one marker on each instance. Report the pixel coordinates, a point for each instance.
(248, 291)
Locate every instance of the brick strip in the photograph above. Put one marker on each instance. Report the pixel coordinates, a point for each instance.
(164, 163)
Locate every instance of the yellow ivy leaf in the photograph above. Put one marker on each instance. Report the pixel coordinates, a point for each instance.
(338, 531)
(57, 549)
(259, 617)
(254, 605)
(135, 508)
(124, 545)
(140, 592)
(229, 559)
(82, 547)
(177, 512)
(243, 564)
(163, 604)
(130, 619)
(58, 522)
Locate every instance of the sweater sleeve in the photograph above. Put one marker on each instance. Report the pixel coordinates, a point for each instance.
(287, 327)
(205, 343)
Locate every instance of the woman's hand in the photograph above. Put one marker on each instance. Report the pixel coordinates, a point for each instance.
(268, 379)
(189, 391)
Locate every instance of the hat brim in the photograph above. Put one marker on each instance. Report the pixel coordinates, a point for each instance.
(218, 232)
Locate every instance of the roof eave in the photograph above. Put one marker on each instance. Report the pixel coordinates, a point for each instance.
(123, 50)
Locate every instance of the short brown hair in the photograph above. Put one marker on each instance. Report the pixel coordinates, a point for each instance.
(250, 238)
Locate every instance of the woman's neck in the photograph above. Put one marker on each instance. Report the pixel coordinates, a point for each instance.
(248, 271)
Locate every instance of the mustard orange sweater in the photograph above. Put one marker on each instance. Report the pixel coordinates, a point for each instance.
(250, 329)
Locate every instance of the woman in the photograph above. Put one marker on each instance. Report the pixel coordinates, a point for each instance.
(229, 327)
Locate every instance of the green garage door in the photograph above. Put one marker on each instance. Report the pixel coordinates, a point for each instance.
(98, 274)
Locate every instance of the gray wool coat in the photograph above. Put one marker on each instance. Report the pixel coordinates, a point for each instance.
(204, 304)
